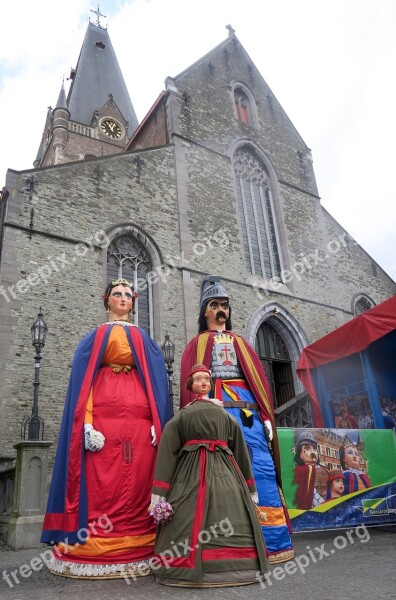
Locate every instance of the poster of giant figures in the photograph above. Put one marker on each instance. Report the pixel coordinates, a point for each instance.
(338, 477)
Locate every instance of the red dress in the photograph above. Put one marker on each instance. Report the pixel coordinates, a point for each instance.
(119, 476)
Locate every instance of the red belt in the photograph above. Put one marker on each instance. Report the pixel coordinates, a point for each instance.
(213, 444)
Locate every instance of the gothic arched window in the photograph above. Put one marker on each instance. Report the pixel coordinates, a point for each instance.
(242, 107)
(257, 221)
(244, 104)
(127, 257)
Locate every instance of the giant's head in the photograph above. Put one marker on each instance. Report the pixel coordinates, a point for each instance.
(306, 449)
(349, 457)
(214, 308)
(335, 484)
(199, 380)
(119, 298)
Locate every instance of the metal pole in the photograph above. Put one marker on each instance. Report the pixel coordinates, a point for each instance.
(34, 423)
(170, 385)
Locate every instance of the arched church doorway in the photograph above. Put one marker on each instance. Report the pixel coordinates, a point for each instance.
(277, 363)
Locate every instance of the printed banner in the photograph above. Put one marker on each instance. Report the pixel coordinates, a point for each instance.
(338, 477)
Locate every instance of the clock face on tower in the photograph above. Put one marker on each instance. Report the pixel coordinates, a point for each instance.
(111, 128)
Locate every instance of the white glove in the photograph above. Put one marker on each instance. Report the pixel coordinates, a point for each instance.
(255, 497)
(268, 426)
(94, 440)
(153, 436)
(154, 500)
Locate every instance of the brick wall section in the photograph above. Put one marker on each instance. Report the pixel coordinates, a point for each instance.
(75, 202)
(202, 110)
(208, 116)
(356, 272)
(154, 132)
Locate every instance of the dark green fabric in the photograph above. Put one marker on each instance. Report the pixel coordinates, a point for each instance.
(229, 517)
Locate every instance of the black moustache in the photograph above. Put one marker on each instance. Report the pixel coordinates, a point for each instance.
(221, 314)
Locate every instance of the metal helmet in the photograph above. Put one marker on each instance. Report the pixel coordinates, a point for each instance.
(211, 288)
(305, 437)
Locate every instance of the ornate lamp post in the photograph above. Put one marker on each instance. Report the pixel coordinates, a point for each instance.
(168, 350)
(35, 424)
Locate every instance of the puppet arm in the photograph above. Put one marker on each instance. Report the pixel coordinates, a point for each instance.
(94, 440)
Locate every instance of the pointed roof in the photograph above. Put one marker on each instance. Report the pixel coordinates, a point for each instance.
(97, 75)
(232, 39)
(61, 103)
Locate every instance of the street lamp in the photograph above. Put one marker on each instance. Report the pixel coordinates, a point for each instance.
(34, 423)
(168, 351)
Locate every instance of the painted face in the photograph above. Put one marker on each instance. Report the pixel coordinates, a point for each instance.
(351, 457)
(309, 454)
(201, 383)
(217, 312)
(120, 301)
(337, 486)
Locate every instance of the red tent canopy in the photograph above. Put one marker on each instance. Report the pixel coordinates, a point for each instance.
(348, 339)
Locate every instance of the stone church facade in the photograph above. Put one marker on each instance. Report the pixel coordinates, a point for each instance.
(215, 179)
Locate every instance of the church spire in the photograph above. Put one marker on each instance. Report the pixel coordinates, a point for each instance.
(96, 117)
(62, 103)
(97, 75)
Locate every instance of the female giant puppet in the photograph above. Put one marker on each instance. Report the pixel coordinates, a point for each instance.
(203, 469)
(116, 407)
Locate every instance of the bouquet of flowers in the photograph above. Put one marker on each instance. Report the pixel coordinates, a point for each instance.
(94, 440)
(162, 512)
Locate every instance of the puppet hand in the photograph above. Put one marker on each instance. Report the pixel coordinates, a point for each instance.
(94, 440)
(268, 427)
(255, 497)
(153, 436)
(154, 500)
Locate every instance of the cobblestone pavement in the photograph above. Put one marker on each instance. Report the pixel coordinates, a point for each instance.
(329, 565)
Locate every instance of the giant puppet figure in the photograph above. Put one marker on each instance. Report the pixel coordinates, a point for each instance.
(116, 407)
(204, 472)
(241, 383)
(355, 479)
(310, 476)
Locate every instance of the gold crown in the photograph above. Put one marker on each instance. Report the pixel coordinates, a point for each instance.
(223, 338)
(121, 281)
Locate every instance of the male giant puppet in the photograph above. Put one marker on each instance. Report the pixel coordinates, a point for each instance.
(241, 383)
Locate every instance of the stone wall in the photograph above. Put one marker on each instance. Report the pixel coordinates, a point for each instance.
(61, 266)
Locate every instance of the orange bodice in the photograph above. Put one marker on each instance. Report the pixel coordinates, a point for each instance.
(118, 350)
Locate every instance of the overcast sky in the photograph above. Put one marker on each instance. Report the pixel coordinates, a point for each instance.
(330, 63)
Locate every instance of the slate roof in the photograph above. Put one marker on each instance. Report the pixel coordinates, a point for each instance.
(97, 75)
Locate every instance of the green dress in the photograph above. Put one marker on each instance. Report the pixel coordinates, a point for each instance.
(203, 469)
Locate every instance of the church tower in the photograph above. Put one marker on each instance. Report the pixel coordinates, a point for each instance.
(97, 117)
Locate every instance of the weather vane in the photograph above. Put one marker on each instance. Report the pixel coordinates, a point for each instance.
(98, 15)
